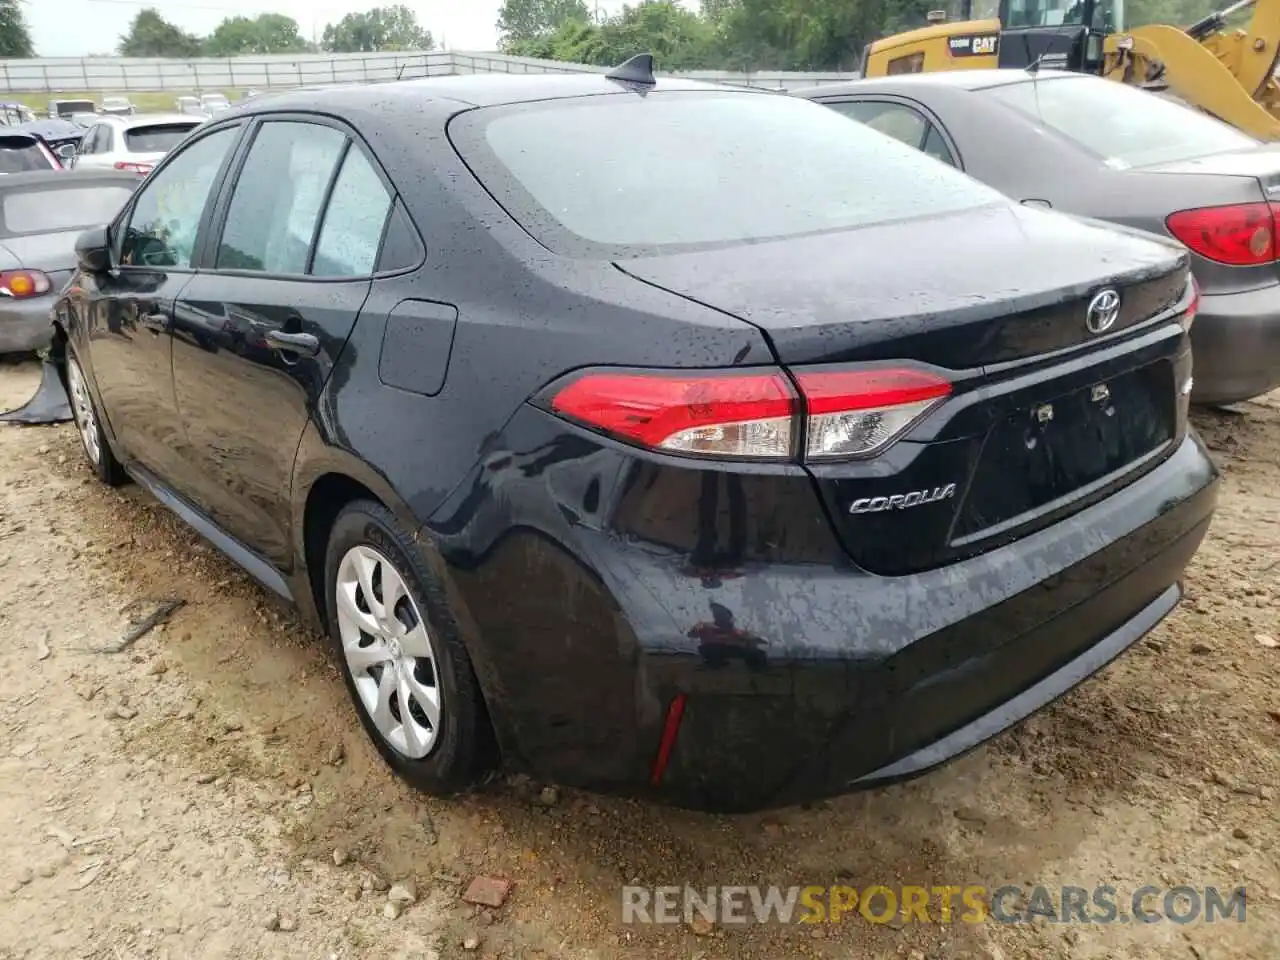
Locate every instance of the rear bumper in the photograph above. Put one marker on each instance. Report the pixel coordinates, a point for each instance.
(1236, 345)
(801, 680)
(26, 326)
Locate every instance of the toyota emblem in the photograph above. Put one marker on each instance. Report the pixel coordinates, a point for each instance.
(1103, 310)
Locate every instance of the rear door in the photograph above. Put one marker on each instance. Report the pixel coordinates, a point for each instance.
(258, 330)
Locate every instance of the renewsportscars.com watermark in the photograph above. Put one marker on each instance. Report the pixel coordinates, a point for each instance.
(941, 904)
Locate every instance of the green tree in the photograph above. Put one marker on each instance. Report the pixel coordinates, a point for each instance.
(382, 28)
(151, 35)
(265, 33)
(520, 21)
(15, 38)
(678, 38)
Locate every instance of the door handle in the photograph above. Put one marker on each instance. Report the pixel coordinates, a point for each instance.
(155, 322)
(303, 344)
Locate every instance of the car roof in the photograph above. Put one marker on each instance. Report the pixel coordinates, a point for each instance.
(150, 119)
(961, 79)
(476, 90)
(16, 181)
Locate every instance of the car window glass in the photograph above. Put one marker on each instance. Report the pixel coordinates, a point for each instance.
(1122, 125)
(276, 204)
(86, 143)
(160, 138)
(19, 156)
(353, 221)
(401, 247)
(901, 123)
(162, 226)
(625, 177)
(57, 208)
(937, 148)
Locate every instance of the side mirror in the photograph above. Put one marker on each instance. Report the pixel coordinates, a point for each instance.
(93, 250)
(66, 152)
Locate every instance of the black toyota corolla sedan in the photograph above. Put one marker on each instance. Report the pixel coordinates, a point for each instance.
(656, 438)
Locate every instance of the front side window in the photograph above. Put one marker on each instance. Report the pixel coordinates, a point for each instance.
(166, 216)
(627, 176)
(276, 204)
(353, 221)
(1122, 125)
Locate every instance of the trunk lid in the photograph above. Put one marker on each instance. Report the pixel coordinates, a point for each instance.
(983, 286)
(1041, 421)
(1262, 164)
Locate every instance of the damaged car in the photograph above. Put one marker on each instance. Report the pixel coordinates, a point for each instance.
(646, 435)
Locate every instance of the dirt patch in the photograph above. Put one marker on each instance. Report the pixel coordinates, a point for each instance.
(207, 792)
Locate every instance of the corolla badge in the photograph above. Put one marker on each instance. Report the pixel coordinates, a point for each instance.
(902, 501)
(1104, 310)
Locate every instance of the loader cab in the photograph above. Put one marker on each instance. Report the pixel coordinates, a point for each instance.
(1058, 34)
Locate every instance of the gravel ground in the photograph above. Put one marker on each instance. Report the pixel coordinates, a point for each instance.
(206, 792)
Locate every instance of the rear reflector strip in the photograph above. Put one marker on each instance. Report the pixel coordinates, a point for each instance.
(675, 713)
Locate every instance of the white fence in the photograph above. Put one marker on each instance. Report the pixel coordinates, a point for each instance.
(100, 75)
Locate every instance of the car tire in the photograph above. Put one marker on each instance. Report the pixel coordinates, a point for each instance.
(439, 751)
(93, 440)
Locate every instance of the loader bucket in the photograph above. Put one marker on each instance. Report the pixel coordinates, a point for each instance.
(50, 403)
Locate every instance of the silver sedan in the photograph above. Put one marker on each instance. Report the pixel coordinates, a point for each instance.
(41, 215)
(1101, 149)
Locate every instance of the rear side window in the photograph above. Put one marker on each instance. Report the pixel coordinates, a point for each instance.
(158, 139)
(276, 204)
(898, 121)
(50, 211)
(18, 155)
(353, 221)
(1122, 125)
(623, 175)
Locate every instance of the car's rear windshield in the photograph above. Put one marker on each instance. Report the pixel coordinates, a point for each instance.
(630, 175)
(1124, 126)
(54, 209)
(160, 138)
(19, 154)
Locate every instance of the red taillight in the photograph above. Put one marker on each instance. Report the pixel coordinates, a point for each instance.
(21, 284)
(730, 414)
(854, 413)
(754, 414)
(140, 168)
(1242, 234)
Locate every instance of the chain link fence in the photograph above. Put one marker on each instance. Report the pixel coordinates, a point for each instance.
(127, 75)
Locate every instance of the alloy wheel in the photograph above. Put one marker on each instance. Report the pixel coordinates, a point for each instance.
(388, 651)
(82, 411)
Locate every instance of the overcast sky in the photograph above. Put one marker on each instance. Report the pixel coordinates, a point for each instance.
(72, 28)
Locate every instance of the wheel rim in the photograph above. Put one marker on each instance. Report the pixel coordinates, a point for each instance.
(82, 410)
(388, 652)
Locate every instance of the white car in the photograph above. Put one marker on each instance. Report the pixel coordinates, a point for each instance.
(214, 103)
(133, 143)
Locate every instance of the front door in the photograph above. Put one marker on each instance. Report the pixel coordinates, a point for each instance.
(258, 330)
(154, 241)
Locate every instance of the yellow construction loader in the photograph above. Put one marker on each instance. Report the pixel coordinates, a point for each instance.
(1224, 70)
